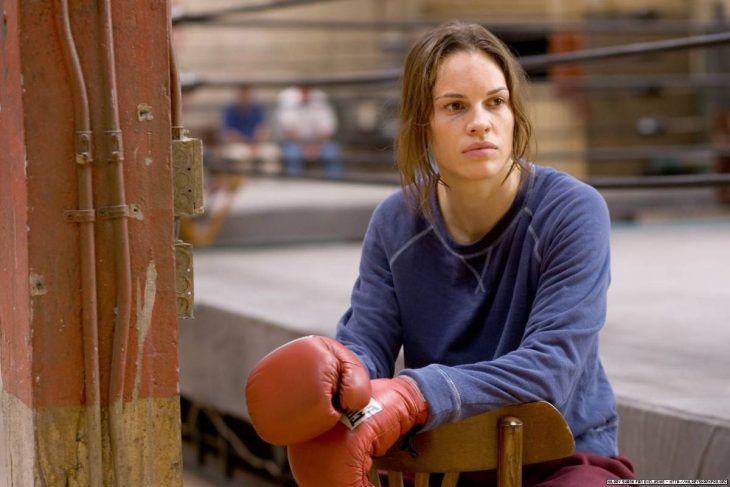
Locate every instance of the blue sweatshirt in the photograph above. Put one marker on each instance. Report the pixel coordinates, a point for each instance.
(511, 318)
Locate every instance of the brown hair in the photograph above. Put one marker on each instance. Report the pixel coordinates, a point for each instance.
(418, 178)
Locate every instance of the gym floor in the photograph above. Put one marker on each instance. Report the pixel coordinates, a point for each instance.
(211, 473)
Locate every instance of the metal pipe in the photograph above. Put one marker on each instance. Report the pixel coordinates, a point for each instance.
(175, 95)
(86, 243)
(118, 211)
(178, 131)
(175, 85)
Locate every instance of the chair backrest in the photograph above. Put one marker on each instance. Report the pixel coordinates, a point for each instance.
(504, 439)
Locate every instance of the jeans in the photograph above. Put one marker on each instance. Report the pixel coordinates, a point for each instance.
(293, 157)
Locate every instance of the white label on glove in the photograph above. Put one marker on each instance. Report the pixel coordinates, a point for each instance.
(352, 420)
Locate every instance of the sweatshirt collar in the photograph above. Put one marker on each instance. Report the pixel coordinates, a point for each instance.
(491, 237)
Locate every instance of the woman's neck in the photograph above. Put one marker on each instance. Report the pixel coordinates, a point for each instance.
(471, 209)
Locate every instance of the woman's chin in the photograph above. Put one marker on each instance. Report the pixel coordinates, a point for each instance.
(483, 172)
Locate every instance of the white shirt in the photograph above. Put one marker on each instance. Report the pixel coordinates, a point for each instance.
(305, 121)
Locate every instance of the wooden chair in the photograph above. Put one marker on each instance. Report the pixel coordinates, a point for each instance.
(504, 439)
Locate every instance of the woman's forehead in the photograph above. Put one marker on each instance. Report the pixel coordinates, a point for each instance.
(468, 70)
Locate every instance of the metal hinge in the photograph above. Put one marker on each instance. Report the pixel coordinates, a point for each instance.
(187, 177)
(184, 279)
(187, 167)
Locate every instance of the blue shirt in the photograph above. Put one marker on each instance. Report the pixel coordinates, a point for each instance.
(244, 119)
(511, 318)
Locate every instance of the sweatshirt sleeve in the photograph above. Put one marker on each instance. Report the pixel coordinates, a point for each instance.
(371, 327)
(561, 334)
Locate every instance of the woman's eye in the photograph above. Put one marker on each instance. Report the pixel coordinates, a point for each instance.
(498, 101)
(454, 106)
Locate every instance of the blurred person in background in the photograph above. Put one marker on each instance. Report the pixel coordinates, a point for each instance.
(245, 135)
(307, 122)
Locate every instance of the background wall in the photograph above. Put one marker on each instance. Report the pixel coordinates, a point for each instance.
(587, 128)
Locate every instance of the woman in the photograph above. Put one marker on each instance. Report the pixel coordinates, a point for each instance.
(491, 273)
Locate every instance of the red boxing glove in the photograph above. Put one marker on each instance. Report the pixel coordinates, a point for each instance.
(342, 457)
(293, 394)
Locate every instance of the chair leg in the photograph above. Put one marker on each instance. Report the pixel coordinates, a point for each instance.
(509, 449)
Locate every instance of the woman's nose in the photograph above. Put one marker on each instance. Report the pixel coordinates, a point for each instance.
(479, 122)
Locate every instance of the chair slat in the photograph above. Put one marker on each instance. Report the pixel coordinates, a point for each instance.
(450, 479)
(373, 477)
(422, 479)
(395, 479)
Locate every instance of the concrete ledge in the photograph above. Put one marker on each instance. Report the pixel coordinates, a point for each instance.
(290, 210)
(266, 211)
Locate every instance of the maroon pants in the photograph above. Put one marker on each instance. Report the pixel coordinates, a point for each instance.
(578, 470)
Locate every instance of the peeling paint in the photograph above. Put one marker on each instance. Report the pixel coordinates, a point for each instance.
(136, 212)
(153, 442)
(47, 446)
(145, 304)
(148, 161)
(144, 112)
(37, 285)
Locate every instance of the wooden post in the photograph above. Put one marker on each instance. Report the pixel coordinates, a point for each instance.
(509, 463)
(45, 438)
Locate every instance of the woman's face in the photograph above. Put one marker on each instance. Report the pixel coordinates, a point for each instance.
(471, 129)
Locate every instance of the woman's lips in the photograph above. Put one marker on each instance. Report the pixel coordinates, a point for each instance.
(480, 149)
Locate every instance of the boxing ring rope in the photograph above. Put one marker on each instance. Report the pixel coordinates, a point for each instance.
(636, 48)
(243, 9)
(602, 26)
